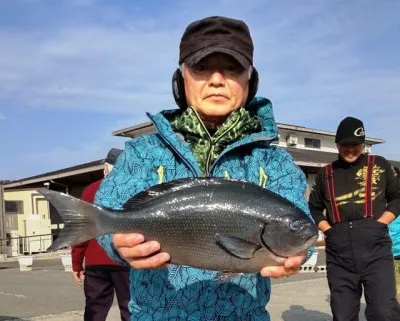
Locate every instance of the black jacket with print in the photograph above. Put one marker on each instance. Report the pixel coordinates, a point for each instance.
(349, 186)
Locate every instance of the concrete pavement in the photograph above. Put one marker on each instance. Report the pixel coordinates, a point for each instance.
(47, 293)
(303, 300)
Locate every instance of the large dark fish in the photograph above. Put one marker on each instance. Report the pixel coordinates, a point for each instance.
(209, 223)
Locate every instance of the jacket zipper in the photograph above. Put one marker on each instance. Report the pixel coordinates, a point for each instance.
(176, 151)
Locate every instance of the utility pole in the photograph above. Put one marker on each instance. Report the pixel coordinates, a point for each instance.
(2, 222)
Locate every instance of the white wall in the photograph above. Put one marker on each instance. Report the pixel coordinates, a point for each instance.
(310, 183)
(327, 142)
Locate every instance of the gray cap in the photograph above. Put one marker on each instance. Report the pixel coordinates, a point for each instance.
(113, 155)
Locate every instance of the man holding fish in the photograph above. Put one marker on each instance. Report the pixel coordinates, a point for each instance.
(209, 193)
(219, 130)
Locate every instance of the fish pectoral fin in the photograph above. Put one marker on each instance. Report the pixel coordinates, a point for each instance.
(238, 247)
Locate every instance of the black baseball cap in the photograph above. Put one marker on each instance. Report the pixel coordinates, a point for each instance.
(350, 131)
(113, 155)
(216, 35)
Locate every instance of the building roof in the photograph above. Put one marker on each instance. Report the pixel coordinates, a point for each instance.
(312, 158)
(135, 131)
(65, 173)
(370, 140)
(301, 156)
(305, 157)
(148, 128)
(87, 173)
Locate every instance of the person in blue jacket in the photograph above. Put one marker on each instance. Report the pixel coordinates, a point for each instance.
(394, 232)
(220, 129)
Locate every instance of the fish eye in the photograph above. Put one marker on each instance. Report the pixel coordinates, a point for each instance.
(296, 225)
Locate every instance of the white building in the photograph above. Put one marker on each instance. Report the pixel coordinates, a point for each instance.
(313, 139)
(310, 148)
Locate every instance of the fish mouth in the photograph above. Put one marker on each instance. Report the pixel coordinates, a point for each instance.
(311, 241)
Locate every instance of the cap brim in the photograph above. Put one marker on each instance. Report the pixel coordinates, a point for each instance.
(351, 140)
(196, 57)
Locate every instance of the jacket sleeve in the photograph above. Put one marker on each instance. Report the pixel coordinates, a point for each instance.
(126, 179)
(78, 251)
(78, 255)
(290, 182)
(392, 190)
(316, 200)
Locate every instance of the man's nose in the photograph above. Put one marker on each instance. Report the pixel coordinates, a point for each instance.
(217, 78)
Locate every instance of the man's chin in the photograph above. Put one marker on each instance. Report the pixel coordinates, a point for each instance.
(218, 109)
(350, 159)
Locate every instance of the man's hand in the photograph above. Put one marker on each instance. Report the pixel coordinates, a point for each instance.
(79, 277)
(138, 253)
(324, 226)
(291, 266)
(386, 218)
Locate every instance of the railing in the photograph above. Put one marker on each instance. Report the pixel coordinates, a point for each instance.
(26, 244)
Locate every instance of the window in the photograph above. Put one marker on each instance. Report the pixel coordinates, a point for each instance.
(312, 143)
(8, 237)
(14, 207)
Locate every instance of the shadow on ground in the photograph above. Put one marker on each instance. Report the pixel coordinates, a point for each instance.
(361, 314)
(299, 313)
(8, 318)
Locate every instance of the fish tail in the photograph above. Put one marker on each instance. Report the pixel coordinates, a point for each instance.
(80, 219)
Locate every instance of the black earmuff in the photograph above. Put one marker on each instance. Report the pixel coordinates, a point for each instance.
(178, 88)
(253, 85)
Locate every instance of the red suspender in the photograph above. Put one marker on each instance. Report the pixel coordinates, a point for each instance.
(368, 203)
(331, 192)
(368, 207)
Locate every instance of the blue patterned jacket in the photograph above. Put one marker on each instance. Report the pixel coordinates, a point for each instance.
(394, 232)
(182, 292)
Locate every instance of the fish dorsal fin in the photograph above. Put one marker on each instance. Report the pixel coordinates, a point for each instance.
(238, 247)
(160, 189)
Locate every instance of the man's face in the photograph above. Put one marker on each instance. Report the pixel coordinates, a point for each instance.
(350, 152)
(107, 169)
(216, 86)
